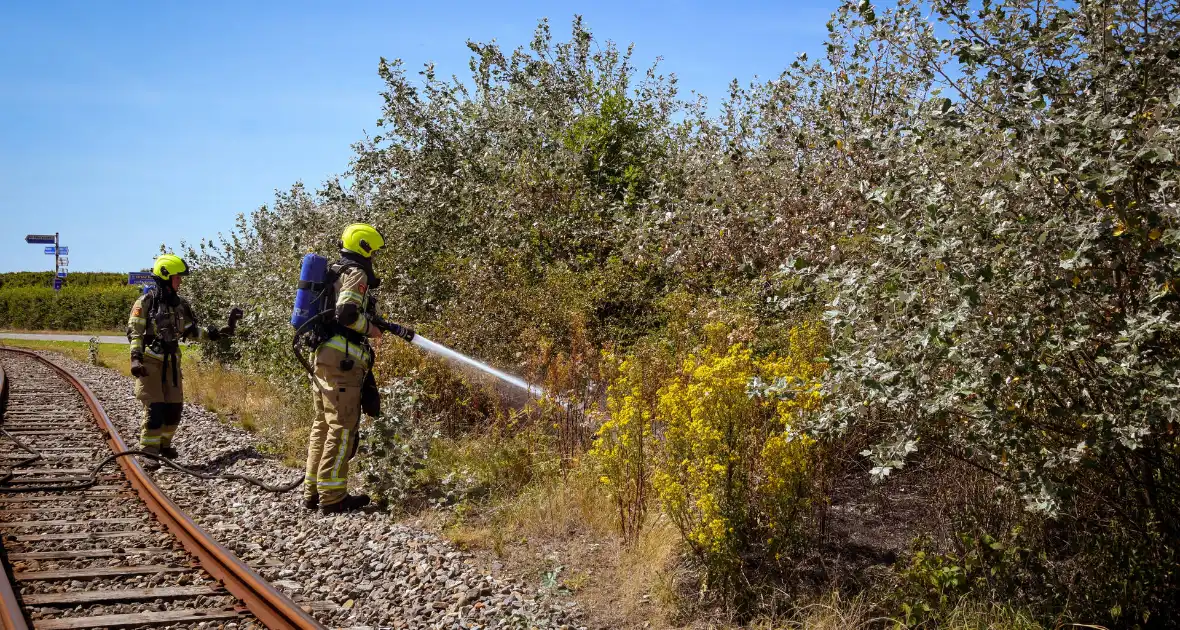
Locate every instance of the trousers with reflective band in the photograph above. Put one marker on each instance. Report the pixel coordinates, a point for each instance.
(162, 404)
(160, 421)
(336, 396)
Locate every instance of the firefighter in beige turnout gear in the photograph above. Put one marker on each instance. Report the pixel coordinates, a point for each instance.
(160, 320)
(342, 382)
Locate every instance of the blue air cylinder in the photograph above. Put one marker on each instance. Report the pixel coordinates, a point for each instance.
(311, 284)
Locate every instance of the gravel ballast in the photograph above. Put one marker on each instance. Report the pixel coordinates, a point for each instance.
(349, 570)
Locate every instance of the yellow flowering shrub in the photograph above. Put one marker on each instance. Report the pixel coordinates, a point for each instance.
(624, 446)
(733, 475)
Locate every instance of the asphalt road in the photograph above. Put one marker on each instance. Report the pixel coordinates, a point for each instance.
(62, 337)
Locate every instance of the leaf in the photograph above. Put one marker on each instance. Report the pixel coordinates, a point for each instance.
(1155, 155)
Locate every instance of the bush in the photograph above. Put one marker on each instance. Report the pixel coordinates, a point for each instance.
(395, 444)
(979, 198)
(625, 448)
(72, 308)
(733, 475)
(18, 279)
(935, 585)
(1014, 304)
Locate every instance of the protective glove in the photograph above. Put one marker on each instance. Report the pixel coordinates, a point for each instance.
(405, 332)
(228, 331)
(137, 367)
(234, 315)
(370, 399)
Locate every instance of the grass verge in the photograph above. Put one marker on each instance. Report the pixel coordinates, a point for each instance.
(110, 355)
(555, 530)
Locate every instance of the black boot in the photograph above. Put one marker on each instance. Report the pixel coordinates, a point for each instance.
(149, 463)
(311, 503)
(351, 503)
(169, 452)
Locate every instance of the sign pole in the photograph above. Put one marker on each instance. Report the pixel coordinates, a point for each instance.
(54, 240)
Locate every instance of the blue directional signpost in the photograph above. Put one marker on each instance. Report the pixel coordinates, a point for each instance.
(57, 251)
(141, 278)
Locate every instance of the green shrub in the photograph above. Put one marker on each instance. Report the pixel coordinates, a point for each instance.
(395, 444)
(16, 279)
(982, 568)
(1016, 303)
(72, 308)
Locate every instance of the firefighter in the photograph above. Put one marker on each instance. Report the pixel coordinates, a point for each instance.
(160, 320)
(342, 383)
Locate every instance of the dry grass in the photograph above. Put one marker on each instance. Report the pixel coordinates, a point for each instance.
(114, 356)
(253, 404)
(553, 507)
(834, 613)
(563, 532)
(859, 613)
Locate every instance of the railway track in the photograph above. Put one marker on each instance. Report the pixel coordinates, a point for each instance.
(118, 553)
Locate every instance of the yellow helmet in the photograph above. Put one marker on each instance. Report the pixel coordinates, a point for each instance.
(361, 238)
(168, 265)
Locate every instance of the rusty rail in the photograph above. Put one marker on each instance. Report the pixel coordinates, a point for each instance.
(272, 608)
(11, 617)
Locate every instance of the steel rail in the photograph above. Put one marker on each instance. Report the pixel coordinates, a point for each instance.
(272, 608)
(11, 617)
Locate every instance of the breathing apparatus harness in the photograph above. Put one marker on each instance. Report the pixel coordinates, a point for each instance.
(162, 336)
(316, 321)
(315, 317)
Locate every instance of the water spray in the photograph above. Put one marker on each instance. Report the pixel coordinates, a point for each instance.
(445, 352)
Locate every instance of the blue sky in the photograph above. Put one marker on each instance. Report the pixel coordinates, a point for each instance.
(124, 125)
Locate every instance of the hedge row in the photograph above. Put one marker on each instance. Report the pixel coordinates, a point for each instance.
(14, 279)
(73, 308)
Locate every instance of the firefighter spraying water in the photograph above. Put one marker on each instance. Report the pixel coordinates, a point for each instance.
(335, 315)
(309, 310)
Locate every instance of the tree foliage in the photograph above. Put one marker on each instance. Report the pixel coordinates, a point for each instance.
(978, 199)
(1013, 302)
